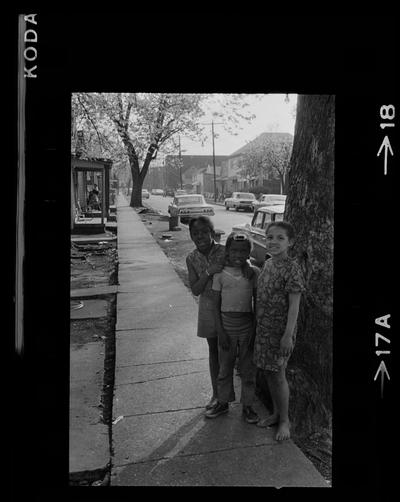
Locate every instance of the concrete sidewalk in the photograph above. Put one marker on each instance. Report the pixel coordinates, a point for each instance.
(160, 435)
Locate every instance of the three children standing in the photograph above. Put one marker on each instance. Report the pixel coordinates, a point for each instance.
(241, 308)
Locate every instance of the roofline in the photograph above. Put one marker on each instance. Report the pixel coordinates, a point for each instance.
(238, 152)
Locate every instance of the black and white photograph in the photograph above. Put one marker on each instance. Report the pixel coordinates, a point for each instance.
(152, 272)
(197, 298)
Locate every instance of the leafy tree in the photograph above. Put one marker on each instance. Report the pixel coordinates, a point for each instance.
(268, 155)
(277, 157)
(136, 126)
(252, 162)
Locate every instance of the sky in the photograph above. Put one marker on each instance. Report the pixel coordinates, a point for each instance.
(273, 114)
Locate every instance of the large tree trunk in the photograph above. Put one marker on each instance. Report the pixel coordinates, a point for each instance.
(136, 195)
(137, 183)
(138, 177)
(309, 207)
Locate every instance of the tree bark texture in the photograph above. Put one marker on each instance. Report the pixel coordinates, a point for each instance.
(137, 182)
(138, 177)
(310, 209)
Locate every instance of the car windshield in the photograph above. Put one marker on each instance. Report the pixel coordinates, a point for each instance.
(245, 196)
(196, 199)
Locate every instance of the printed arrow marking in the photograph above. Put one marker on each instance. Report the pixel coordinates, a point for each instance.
(386, 144)
(382, 370)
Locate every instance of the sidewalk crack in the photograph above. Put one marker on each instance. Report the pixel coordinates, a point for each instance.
(161, 378)
(163, 411)
(194, 454)
(163, 362)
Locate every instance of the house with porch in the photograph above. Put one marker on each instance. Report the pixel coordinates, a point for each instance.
(87, 174)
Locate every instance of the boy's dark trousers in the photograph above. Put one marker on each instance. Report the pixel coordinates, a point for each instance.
(238, 344)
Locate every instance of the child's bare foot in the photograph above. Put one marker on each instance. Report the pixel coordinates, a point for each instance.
(283, 431)
(269, 420)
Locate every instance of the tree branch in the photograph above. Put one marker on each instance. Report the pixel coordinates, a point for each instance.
(121, 112)
(91, 120)
(128, 111)
(163, 139)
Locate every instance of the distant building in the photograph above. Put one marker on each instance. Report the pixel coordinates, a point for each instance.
(156, 176)
(197, 172)
(233, 180)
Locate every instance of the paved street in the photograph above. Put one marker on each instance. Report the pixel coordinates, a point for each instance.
(223, 220)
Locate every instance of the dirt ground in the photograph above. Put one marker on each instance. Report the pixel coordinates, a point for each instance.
(96, 265)
(176, 245)
(93, 265)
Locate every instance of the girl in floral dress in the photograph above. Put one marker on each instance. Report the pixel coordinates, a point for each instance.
(279, 289)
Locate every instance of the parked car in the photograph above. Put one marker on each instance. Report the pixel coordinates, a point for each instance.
(180, 192)
(157, 191)
(256, 230)
(169, 192)
(189, 206)
(269, 199)
(145, 194)
(240, 200)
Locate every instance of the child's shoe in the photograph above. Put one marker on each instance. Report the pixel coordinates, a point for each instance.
(250, 415)
(213, 401)
(218, 409)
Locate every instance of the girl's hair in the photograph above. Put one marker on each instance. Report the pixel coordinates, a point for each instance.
(282, 224)
(204, 220)
(237, 236)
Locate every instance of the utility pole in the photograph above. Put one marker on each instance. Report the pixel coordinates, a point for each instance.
(213, 147)
(164, 171)
(180, 162)
(215, 180)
